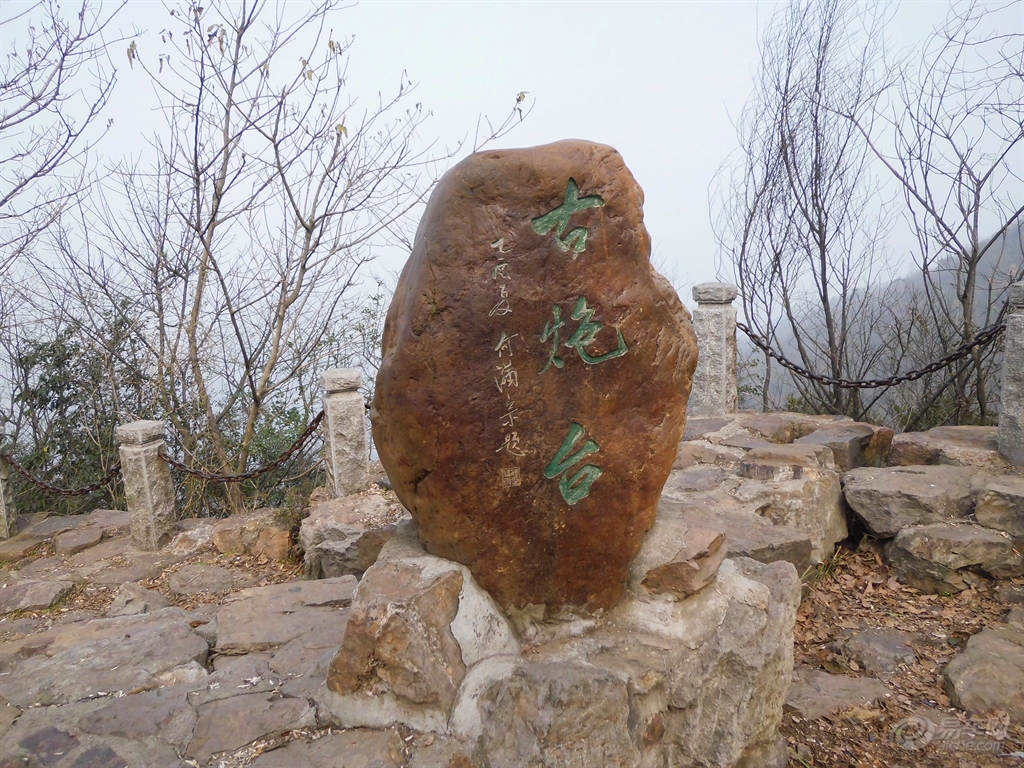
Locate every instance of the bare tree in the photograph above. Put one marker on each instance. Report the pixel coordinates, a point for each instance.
(235, 249)
(952, 138)
(798, 213)
(804, 222)
(255, 220)
(54, 82)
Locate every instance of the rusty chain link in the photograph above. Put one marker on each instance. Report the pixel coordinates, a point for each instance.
(253, 474)
(85, 490)
(986, 336)
(116, 469)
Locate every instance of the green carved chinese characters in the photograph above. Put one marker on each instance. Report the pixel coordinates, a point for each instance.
(581, 338)
(578, 485)
(558, 219)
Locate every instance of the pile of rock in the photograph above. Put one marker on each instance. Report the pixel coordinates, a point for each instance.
(951, 509)
(771, 481)
(656, 680)
(952, 518)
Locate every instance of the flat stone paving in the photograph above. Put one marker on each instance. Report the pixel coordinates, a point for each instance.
(97, 671)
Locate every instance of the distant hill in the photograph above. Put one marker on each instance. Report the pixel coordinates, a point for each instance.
(888, 306)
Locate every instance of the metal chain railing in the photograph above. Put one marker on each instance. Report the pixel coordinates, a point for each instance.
(85, 490)
(986, 336)
(115, 470)
(252, 474)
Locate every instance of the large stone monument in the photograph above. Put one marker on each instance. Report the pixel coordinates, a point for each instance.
(535, 375)
(538, 610)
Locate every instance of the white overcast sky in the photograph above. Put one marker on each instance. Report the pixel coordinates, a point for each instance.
(662, 82)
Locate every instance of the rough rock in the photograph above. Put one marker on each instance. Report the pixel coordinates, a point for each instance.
(400, 637)
(19, 547)
(715, 293)
(698, 426)
(344, 536)
(879, 651)
(853, 445)
(1011, 384)
(961, 446)
(258, 533)
(779, 463)
(1012, 594)
(436, 751)
(714, 323)
(989, 673)
(744, 441)
(164, 713)
(1000, 505)
(32, 595)
(127, 653)
(48, 745)
(1015, 618)
(361, 749)
(72, 534)
(198, 578)
(108, 548)
(309, 682)
(747, 534)
(796, 485)
(815, 694)
(66, 634)
(123, 574)
(692, 568)
(133, 599)
(346, 457)
(779, 428)
(148, 488)
(228, 724)
(55, 524)
(677, 558)
(44, 569)
(261, 618)
(657, 680)
(701, 478)
(535, 374)
(189, 539)
(942, 557)
(417, 623)
(706, 679)
(110, 521)
(50, 737)
(556, 713)
(8, 715)
(890, 499)
(72, 542)
(700, 452)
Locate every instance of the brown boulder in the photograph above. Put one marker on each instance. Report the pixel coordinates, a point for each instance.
(399, 637)
(535, 375)
(262, 532)
(693, 567)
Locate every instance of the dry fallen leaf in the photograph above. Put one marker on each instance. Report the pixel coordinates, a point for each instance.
(862, 714)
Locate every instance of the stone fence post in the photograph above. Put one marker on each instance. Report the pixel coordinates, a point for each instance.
(1011, 409)
(345, 452)
(147, 483)
(714, 322)
(8, 515)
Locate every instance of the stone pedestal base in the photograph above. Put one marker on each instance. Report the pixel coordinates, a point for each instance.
(656, 681)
